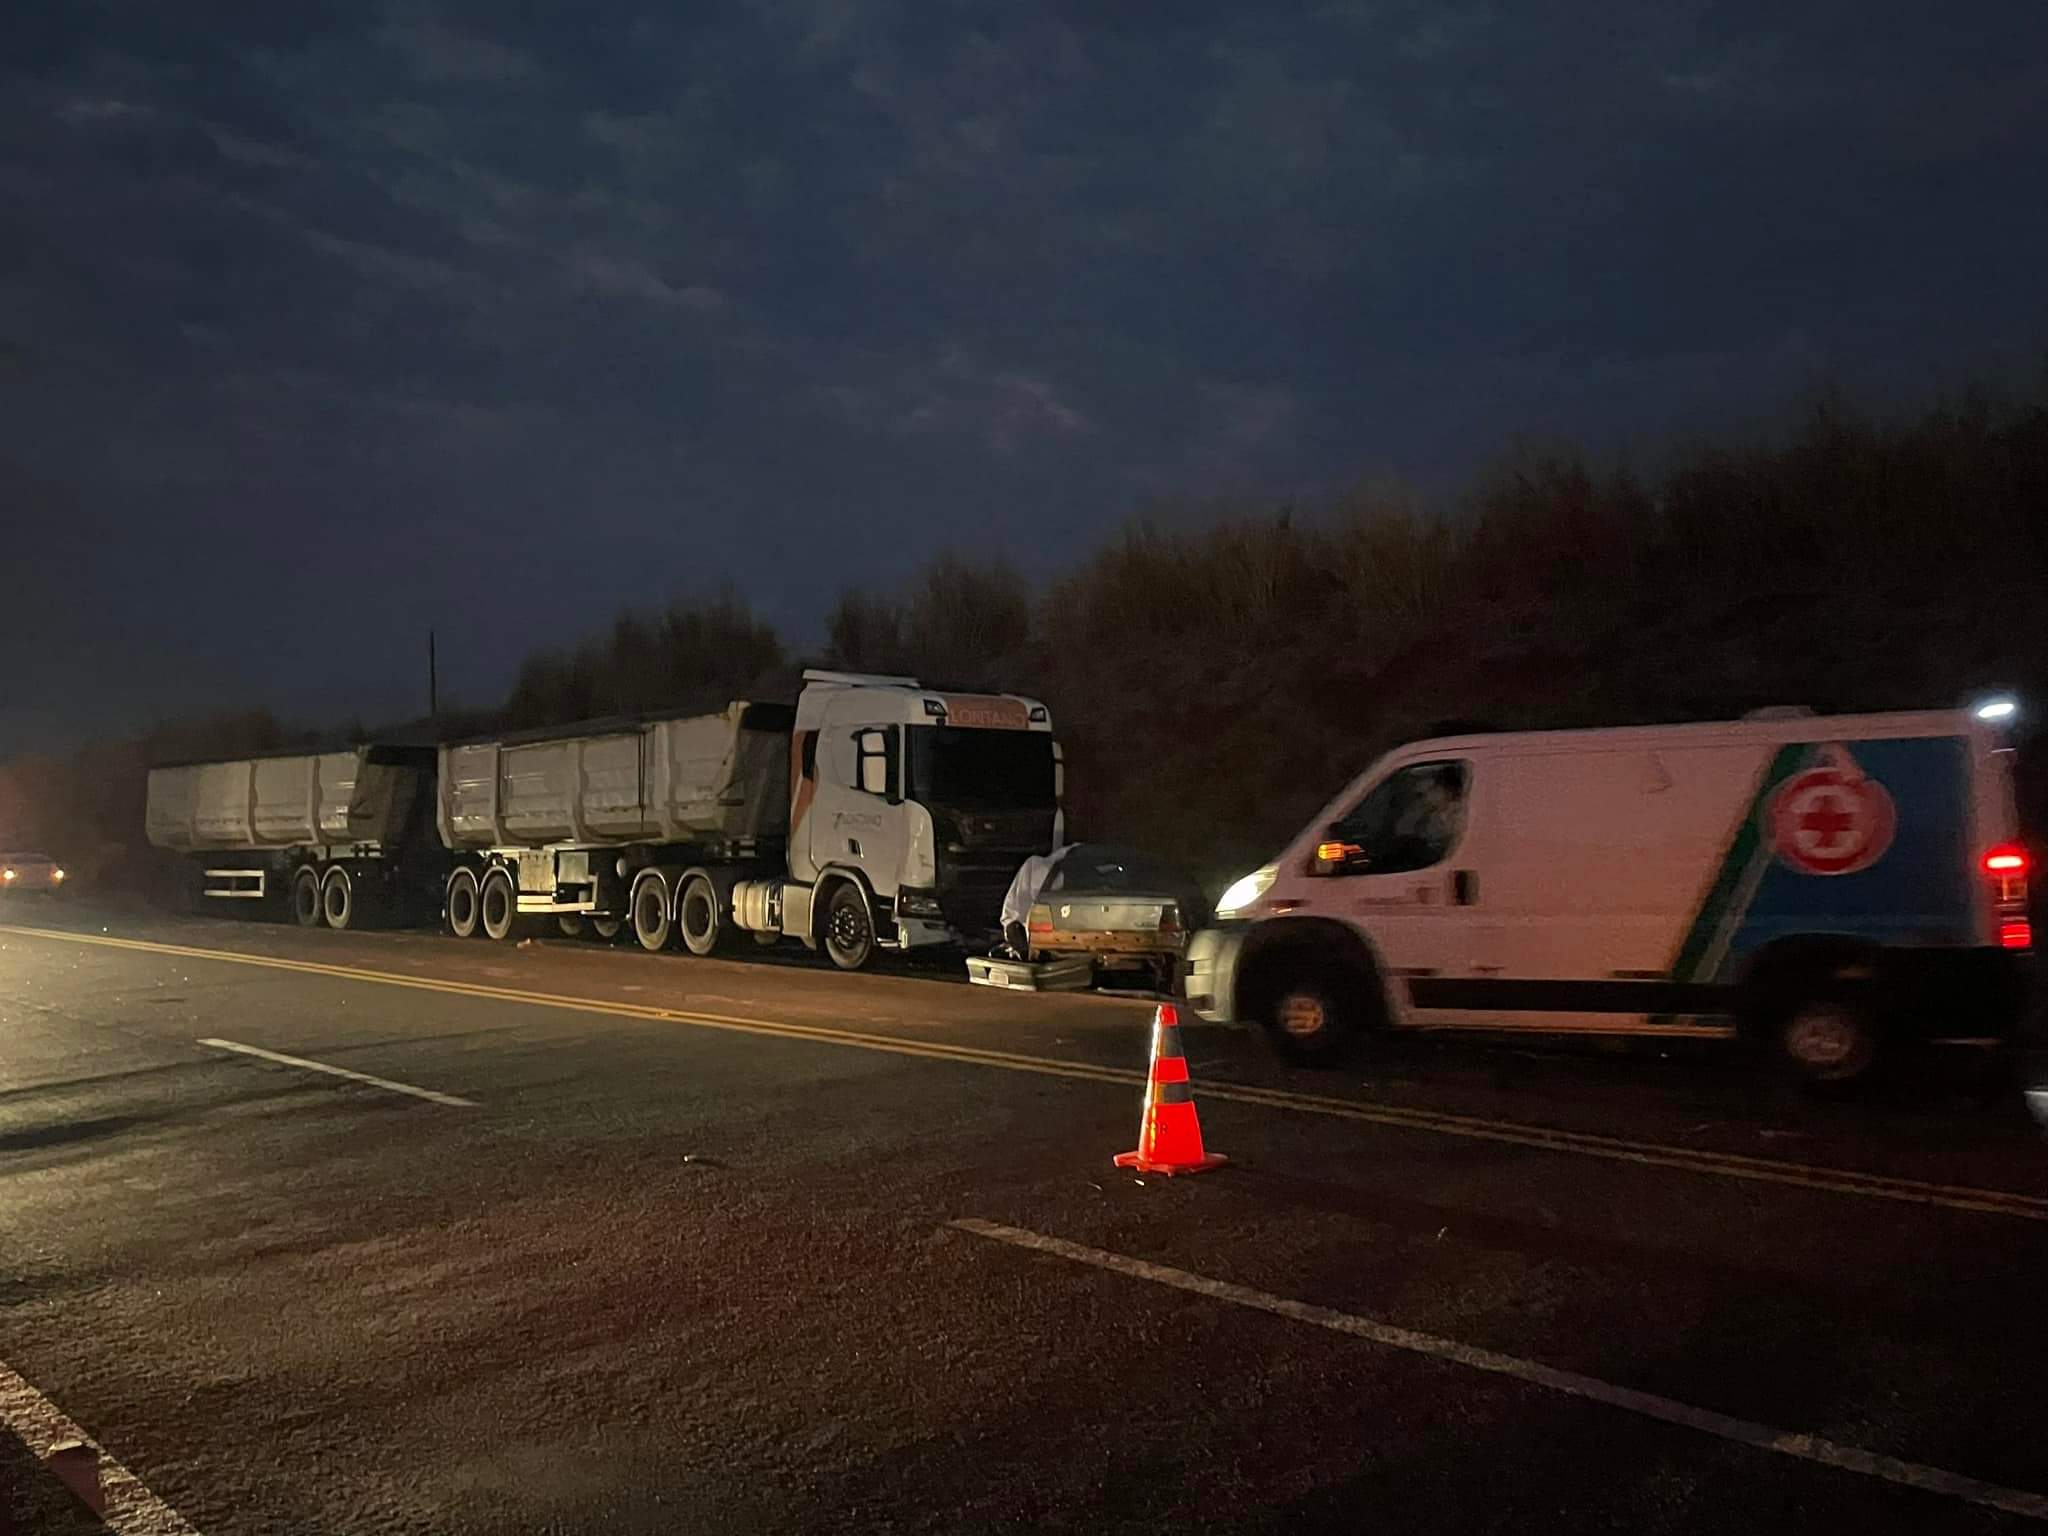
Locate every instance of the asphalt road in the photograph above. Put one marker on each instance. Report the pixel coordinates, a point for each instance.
(616, 1242)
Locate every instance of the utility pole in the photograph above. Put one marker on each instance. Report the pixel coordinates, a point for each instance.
(433, 683)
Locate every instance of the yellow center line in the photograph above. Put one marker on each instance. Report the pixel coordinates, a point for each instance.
(1546, 1138)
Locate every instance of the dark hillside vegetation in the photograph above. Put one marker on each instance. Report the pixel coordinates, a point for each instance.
(1217, 672)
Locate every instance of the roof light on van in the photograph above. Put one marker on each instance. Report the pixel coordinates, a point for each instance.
(1994, 711)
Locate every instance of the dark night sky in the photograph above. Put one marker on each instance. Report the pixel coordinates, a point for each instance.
(320, 323)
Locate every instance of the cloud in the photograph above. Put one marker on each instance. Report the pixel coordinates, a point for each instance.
(102, 109)
(386, 263)
(436, 53)
(247, 151)
(624, 277)
(1000, 408)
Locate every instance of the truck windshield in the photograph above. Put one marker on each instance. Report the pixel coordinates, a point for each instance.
(992, 769)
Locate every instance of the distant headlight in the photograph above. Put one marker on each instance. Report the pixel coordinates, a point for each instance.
(1247, 891)
(57, 875)
(6, 874)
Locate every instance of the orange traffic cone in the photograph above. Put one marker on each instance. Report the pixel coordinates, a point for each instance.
(1170, 1135)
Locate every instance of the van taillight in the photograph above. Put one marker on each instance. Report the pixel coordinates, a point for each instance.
(2006, 860)
(2006, 866)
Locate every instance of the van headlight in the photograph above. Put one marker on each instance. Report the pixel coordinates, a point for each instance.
(1246, 891)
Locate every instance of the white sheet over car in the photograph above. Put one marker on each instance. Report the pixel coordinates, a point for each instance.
(1027, 883)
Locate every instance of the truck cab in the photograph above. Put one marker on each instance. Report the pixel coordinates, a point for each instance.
(911, 808)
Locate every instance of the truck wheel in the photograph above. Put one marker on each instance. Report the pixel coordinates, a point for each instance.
(608, 928)
(1827, 1037)
(652, 920)
(570, 925)
(306, 898)
(463, 908)
(697, 915)
(1310, 1020)
(338, 899)
(499, 904)
(849, 931)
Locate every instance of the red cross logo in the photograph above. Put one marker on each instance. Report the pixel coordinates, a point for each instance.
(1831, 821)
(1825, 822)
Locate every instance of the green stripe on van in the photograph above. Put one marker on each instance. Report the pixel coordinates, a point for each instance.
(1727, 900)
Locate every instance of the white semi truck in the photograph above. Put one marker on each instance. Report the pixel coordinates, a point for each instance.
(878, 814)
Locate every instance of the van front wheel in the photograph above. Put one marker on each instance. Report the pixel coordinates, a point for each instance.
(1311, 1020)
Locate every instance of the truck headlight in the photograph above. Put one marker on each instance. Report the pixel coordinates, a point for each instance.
(1246, 891)
(915, 903)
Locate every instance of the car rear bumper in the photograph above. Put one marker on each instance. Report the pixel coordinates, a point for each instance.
(1123, 943)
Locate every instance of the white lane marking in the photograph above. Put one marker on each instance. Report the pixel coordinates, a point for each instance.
(1849, 1458)
(130, 1508)
(431, 1095)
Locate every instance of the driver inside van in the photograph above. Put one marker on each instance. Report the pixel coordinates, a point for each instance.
(1431, 817)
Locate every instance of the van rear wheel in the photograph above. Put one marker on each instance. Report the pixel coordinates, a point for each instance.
(1827, 1038)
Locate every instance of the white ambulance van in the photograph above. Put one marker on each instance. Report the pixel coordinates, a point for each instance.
(1822, 884)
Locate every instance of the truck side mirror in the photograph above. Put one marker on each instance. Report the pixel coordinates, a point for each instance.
(874, 773)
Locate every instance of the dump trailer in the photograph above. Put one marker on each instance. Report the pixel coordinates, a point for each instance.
(345, 839)
(876, 814)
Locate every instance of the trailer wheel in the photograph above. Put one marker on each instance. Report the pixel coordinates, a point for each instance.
(306, 898)
(338, 899)
(652, 920)
(570, 925)
(697, 915)
(849, 930)
(499, 904)
(608, 928)
(463, 908)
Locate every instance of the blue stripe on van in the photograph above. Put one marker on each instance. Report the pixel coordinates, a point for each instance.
(1918, 893)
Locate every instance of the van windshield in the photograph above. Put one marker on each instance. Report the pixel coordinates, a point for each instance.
(988, 769)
